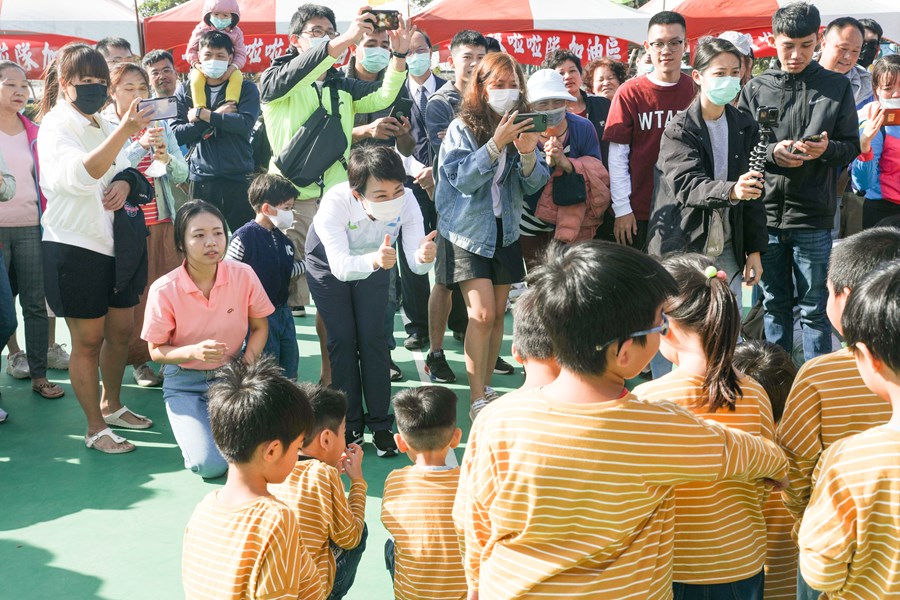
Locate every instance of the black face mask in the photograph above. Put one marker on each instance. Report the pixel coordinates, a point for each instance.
(90, 97)
(868, 53)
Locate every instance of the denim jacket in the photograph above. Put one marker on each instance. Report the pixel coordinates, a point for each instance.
(463, 196)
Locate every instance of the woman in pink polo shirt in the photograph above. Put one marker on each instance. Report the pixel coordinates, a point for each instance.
(196, 320)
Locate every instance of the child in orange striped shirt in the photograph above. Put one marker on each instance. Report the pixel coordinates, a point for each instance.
(417, 507)
(829, 400)
(849, 535)
(566, 489)
(332, 526)
(720, 533)
(241, 542)
(772, 367)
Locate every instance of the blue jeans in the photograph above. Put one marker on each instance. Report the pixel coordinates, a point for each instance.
(746, 589)
(804, 592)
(346, 563)
(799, 255)
(282, 341)
(8, 322)
(184, 391)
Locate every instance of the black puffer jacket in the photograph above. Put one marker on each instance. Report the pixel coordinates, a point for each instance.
(809, 102)
(685, 193)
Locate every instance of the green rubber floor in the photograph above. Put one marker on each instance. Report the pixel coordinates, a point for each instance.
(79, 524)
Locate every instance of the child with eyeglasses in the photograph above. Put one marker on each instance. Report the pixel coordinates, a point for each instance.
(721, 519)
(566, 489)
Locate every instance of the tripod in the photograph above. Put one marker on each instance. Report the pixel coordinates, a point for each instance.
(758, 154)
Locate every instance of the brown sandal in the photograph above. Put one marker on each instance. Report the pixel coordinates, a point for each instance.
(48, 390)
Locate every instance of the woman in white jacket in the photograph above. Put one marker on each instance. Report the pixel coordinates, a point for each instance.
(81, 155)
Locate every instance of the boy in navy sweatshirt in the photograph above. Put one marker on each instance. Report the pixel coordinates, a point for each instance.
(262, 244)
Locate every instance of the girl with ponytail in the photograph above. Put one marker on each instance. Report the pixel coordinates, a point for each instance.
(720, 533)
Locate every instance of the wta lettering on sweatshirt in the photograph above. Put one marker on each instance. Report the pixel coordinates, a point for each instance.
(653, 119)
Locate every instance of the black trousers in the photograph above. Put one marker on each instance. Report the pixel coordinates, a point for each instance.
(229, 196)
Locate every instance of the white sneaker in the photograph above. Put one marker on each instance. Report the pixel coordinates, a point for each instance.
(516, 290)
(145, 377)
(476, 408)
(57, 357)
(3, 415)
(18, 366)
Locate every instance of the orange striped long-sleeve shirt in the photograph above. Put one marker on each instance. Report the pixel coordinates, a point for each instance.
(417, 510)
(849, 536)
(781, 550)
(828, 402)
(248, 551)
(315, 492)
(720, 532)
(575, 500)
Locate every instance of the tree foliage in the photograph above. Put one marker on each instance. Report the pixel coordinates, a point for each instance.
(148, 8)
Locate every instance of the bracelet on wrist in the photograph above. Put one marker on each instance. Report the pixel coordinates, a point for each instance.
(399, 54)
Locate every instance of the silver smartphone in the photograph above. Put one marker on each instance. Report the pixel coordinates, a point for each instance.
(163, 108)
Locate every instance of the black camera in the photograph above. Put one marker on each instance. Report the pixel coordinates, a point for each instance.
(767, 116)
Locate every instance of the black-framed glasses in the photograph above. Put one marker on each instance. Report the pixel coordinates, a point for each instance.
(661, 329)
(318, 32)
(672, 45)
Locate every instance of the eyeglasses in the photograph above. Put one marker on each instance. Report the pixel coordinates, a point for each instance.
(318, 32)
(672, 45)
(661, 329)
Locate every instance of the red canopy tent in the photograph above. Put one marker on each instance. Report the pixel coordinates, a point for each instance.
(530, 29)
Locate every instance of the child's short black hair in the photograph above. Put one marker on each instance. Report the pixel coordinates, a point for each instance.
(667, 17)
(872, 315)
(188, 211)
(594, 294)
(371, 160)
(329, 408)
(426, 416)
(270, 189)
(856, 256)
(796, 20)
(530, 337)
(254, 404)
(771, 366)
(216, 40)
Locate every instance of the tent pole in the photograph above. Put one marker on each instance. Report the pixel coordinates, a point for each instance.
(140, 27)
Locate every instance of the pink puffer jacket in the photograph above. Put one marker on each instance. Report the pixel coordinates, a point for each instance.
(579, 221)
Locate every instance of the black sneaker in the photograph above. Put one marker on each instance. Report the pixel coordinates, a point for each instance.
(416, 342)
(503, 368)
(384, 443)
(437, 368)
(396, 373)
(298, 311)
(353, 437)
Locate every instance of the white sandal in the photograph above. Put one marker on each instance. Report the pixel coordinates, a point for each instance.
(91, 442)
(116, 421)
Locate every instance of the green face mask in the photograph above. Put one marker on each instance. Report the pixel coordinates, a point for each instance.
(722, 90)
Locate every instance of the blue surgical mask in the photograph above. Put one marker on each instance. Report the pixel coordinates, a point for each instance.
(418, 64)
(220, 24)
(375, 60)
(213, 69)
(645, 68)
(722, 90)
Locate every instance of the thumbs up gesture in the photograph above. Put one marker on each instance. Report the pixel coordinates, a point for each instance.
(386, 257)
(427, 249)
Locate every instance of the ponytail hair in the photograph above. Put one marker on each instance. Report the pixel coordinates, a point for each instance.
(706, 306)
(73, 60)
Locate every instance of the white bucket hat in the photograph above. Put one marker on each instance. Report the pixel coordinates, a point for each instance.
(547, 84)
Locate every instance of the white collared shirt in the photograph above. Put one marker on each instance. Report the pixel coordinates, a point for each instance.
(351, 238)
(430, 86)
(75, 213)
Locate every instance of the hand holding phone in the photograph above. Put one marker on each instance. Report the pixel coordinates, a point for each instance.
(538, 121)
(386, 20)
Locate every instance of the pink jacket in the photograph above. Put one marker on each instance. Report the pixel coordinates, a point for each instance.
(31, 130)
(579, 221)
(234, 32)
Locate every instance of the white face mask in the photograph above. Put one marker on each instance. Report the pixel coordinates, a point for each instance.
(315, 42)
(283, 219)
(503, 100)
(214, 68)
(386, 210)
(890, 103)
(645, 68)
